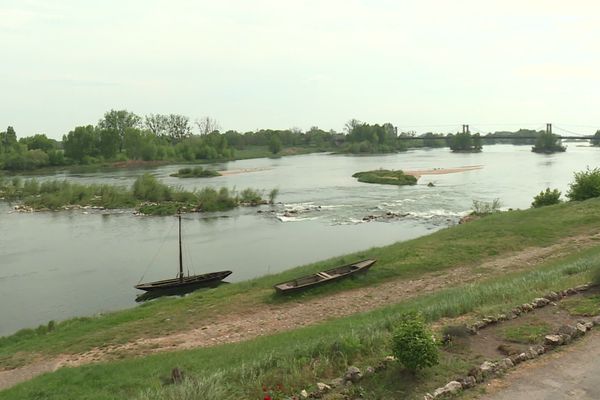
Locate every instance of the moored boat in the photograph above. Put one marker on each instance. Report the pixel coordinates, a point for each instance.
(181, 282)
(322, 277)
(185, 282)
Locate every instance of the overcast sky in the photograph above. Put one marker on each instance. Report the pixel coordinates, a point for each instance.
(279, 64)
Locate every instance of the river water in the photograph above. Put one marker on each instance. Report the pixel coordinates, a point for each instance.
(56, 265)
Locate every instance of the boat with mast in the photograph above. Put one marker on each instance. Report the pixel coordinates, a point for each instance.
(183, 283)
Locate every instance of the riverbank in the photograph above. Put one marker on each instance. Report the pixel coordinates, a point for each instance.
(460, 251)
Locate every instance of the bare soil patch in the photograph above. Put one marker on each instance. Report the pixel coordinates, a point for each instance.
(269, 319)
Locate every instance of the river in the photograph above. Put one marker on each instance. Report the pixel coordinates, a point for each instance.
(57, 265)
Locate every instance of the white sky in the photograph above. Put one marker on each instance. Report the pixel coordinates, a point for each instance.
(281, 63)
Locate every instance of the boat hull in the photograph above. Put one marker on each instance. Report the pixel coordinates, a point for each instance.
(321, 278)
(186, 283)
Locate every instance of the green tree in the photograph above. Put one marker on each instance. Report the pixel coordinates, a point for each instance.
(39, 141)
(81, 142)
(109, 143)
(133, 143)
(548, 143)
(8, 139)
(275, 144)
(431, 139)
(119, 121)
(464, 141)
(585, 186)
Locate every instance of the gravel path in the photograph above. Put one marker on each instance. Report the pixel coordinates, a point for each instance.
(572, 373)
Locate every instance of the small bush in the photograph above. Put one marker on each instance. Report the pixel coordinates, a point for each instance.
(148, 188)
(546, 198)
(585, 186)
(486, 207)
(413, 345)
(273, 195)
(250, 196)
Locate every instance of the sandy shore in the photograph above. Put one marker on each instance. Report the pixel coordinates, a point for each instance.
(441, 171)
(241, 171)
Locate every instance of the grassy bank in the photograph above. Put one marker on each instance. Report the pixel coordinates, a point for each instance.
(297, 359)
(385, 177)
(147, 195)
(464, 245)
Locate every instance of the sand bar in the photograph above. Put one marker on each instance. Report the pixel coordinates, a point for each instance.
(241, 171)
(441, 171)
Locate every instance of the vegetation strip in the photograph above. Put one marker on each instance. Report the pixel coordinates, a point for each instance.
(197, 172)
(148, 195)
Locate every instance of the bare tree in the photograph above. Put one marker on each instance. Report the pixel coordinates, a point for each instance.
(178, 126)
(207, 125)
(157, 124)
(350, 125)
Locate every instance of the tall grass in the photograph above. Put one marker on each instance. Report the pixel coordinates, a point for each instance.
(55, 195)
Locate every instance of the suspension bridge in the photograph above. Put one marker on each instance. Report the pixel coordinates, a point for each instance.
(565, 134)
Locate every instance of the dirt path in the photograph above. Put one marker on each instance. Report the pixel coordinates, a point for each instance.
(568, 374)
(269, 319)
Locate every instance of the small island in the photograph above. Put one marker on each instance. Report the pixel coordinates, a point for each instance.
(465, 143)
(147, 195)
(386, 177)
(197, 172)
(548, 143)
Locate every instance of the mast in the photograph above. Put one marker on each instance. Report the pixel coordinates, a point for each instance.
(180, 256)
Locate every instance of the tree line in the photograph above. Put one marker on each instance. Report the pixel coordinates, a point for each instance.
(121, 135)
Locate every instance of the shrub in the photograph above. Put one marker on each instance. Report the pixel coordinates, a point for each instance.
(486, 207)
(273, 195)
(148, 188)
(585, 186)
(413, 345)
(546, 198)
(250, 196)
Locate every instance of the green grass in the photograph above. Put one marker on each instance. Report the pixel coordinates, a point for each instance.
(385, 177)
(300, 358)
(527, 333)
(582, 306)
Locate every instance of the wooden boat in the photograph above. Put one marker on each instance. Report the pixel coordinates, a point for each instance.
(330, 275)
(183, 283)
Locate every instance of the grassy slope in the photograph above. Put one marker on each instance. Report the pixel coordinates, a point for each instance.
(299, 358)
(461, 245)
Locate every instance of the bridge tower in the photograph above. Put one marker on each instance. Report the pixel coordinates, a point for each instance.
(549, 128)
(465, 128)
